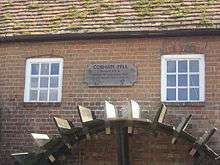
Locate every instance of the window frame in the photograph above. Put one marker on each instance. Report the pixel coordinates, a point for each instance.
(28, 78)
(165, 58)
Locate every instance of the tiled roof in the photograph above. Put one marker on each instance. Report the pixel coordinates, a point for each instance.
(39, 17)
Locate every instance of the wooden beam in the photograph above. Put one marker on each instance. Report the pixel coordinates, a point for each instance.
(135, 110)
(110, 112)
(197, 147)
(199, 157)
(62, 123)
(21, 158)
(85, 114)
(130, 122)
(41, 140)
(51, 148)
(202, 140)
(133, 113)
(122, 145)
(30, 159)
(181, 127)
(159, 118)
(65, 129)
(217, 160)
(90, 125)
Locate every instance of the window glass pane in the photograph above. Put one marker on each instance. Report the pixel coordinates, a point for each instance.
(194, 65)
(54, 82)
(44, 69)
(171, 80)
(34, 69)
(182, 80)
(44, 82)
(194, 80)
(194, 93)
(182, 94)
(53, 95)
(43, 95)
(171, 66)
(182, 66)
(34, 82)
(54, 69)
(171, 94)
(33, 95)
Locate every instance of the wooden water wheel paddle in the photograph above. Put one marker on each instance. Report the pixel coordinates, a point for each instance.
(53, 151)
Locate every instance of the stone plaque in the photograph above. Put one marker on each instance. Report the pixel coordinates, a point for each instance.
(119, 74)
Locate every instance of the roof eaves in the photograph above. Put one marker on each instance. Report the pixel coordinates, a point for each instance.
(110, 35)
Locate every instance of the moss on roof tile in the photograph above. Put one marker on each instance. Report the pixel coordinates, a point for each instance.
(88, 15)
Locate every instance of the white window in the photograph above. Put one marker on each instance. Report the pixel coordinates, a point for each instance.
(182, 78)
(43, 81)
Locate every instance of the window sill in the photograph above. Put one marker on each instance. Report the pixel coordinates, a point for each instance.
(42, 104)
(184, 104)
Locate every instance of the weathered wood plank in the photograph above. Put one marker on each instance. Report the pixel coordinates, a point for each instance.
(110, 112)
(198, 146)
(159, 118)
(202, 140)
(122, 145)
(181, 127)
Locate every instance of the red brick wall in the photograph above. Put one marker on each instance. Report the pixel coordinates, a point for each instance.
(19, 119)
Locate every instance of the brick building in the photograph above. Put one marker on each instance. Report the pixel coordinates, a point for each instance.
(46, 45)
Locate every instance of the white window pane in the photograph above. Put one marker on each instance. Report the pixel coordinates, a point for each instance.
(54, 69)
(182, 80)
(44, 82)
(33, 95)
(34, 69)
(171, 94)
(194, 66)
(53, 95)
(171, 80)
(194, 93)
(54, 82)
(182, 94)
(44, 69)
(43, 95)
(194, 80)
(171, 66)
(182, 66)
(34, 82)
